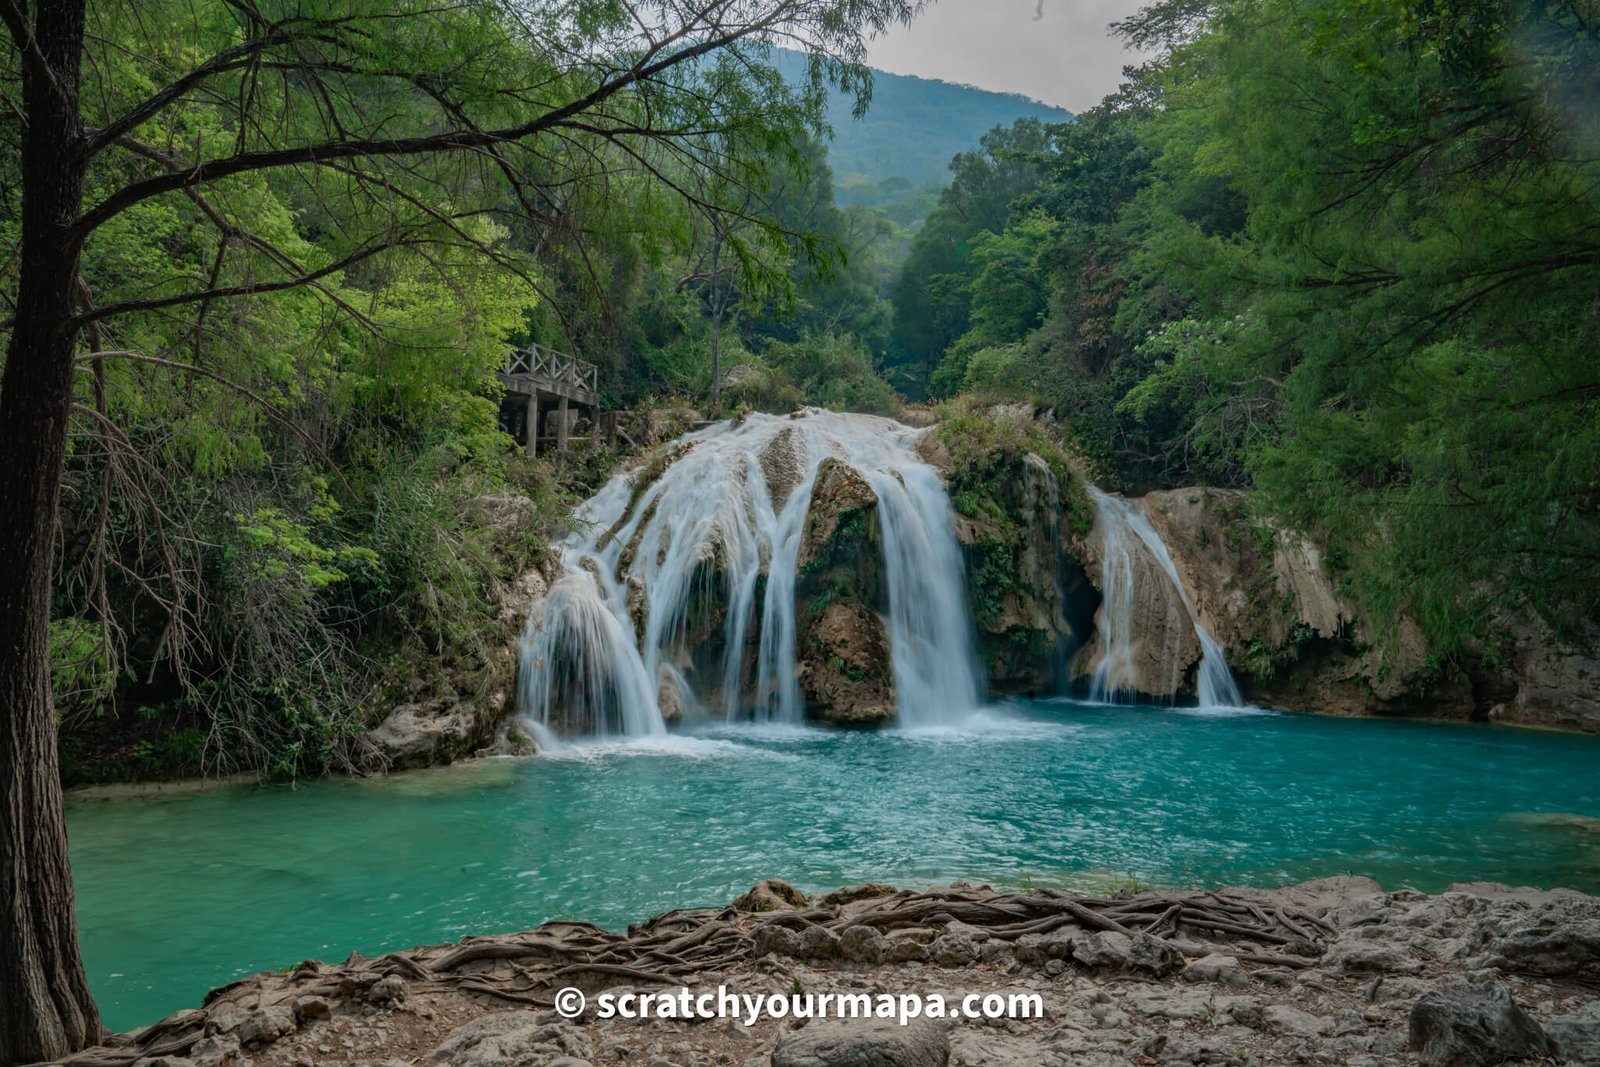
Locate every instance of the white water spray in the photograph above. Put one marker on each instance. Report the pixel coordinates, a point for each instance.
(1125, 532)
(718, 532)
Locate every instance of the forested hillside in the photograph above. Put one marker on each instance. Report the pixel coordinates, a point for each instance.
(900, 150)
(1341, 254)
(1268, 383)
(284, 481)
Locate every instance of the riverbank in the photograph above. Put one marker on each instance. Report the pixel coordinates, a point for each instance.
(1331, 971)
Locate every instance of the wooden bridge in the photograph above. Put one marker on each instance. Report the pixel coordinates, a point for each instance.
(546, 393)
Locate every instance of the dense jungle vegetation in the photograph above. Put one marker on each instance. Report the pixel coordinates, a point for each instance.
(1340, 252)
(280, 489)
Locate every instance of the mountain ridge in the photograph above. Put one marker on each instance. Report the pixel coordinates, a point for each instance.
(915, 125)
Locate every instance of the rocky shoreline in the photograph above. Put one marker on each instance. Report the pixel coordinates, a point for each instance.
(1335, 971)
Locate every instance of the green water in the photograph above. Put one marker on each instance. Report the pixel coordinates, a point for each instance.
(180, 894)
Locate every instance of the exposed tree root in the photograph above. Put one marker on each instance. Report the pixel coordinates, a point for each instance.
(528, 968)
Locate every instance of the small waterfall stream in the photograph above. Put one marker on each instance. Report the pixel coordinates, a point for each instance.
(1125, 533)
(719, 530)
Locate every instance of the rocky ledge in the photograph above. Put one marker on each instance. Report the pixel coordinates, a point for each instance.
(1334, 971)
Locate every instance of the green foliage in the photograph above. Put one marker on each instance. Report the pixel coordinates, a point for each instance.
(987, 448)
(1339, 253)
(81, 669)
(826, 370)
(287, 477)
(932, 295)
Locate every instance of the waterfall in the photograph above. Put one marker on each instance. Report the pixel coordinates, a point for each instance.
(687, 568)
(1127, 539)
(1043, 563)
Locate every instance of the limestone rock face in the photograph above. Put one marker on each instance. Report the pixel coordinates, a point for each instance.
(425, 731)
(931, 449)
(845, 671)
(1554, 681)
(846, 676)
(1162, 648)
(839, 497)
(1291, 637)
(421, 735)
(1296, 640)
(783, 465)
(1030, 598)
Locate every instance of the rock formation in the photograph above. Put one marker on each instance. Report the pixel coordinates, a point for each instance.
(840, 596)
(457, 712)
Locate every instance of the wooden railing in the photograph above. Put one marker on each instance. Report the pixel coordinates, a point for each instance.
(553, 366)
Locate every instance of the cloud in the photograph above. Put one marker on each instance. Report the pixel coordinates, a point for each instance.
(1058, 51)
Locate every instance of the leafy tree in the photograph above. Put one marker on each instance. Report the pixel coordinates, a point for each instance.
(1342, 253)
(388, 122)
(931, 296)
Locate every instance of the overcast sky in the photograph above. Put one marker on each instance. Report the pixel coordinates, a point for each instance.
(1066, 58)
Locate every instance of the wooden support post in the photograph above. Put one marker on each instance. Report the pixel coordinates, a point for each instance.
(532, 432)
(561, 425)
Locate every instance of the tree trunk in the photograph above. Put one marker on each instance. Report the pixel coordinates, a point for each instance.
(716, 317)
(46, 1011)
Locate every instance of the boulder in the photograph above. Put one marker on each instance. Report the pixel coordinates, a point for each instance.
(1109, 952)
(215, 1050)
(1223, 970)
(1038, 948)
(774, 940)
(954, 948)
(908, 946)
(1370, 957)
(864, 1043)
(265, 1025)
(863, 944)
(818, 943)
(421, 735)
(1473, 1023)
(771, 894)
(669, 695)
(388, 991)
(519, 739)
(512, 1037)
(310, 1008)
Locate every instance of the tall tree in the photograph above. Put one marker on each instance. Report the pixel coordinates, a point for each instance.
(931, 294)
(386, 107)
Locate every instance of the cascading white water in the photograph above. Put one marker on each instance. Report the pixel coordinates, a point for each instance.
(1124, 530)
(723, 525)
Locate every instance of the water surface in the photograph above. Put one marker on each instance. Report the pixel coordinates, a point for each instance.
(179, 894)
